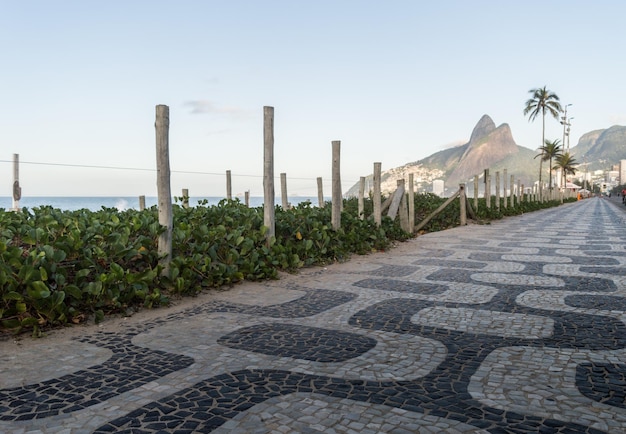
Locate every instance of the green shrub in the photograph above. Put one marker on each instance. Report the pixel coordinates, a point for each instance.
(59, 267)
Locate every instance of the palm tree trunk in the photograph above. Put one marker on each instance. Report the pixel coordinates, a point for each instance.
(543, 140)
(550, 171)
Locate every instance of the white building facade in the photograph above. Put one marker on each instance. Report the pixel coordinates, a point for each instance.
(438, 187)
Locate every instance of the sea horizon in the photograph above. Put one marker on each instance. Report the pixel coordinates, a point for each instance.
(122, 203)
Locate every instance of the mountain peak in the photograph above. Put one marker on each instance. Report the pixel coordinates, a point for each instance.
(487, 146)
(494, 148)
(484, 126)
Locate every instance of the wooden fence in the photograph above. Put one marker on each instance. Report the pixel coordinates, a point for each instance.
(400, 204)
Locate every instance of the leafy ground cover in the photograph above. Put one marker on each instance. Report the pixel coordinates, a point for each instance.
(66, 267)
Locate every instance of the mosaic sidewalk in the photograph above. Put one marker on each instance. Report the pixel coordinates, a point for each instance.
(514, 327)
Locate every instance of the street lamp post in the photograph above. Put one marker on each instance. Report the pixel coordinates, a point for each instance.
(568, 131)
(566, 125)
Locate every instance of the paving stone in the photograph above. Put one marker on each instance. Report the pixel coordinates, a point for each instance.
(517, 326)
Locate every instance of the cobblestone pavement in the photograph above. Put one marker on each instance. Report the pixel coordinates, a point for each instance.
(514, 327)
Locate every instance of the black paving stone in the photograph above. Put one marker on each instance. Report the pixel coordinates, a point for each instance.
(438, 253)
(443, 391)
(299, 342)
(131, 361)
(451, 263)
(613, 271)
(603, 382)
(393, 270)
(402, 286)
(603, 302)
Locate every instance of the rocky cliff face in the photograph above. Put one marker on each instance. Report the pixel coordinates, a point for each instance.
(493, 148)
(483, 128)
(487, 146)
(601, 148)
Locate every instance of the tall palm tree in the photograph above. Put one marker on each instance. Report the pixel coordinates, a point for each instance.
(543, 101)
(550, 151)
(567, 164)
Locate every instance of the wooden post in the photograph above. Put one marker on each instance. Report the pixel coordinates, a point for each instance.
(402, 211)
(247, 198)
(376, 198)
(396, 198)
(386, 204)
(229, 186)
(512, 196)
(268, 172)
(336, 194)
(488, 191)
(504, 188)
(435, 212)
(498, 191)
(320, 192)
(404, 215)
(17, 190)
(411, 199)
(476, 192)
(361, 200)
(470, 210)
(185, 198)
(463, 199)
(283, 191)
(142, 203)
(162, 126)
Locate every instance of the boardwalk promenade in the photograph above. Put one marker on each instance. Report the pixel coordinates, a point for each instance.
(514, 327)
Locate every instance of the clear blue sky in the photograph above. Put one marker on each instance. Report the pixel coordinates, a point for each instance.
(395, 81)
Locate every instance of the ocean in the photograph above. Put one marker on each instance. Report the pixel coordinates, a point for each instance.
(72, 203)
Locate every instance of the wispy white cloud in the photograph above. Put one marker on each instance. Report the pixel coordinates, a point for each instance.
(618, 119)
(452, 144)
(203, 106)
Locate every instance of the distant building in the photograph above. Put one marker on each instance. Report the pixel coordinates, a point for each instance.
(584, 176)
(558, 178)
(438, 187)
(604, 187)
(622, 171)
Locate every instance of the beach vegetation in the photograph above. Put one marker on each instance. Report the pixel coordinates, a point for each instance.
(61, 267)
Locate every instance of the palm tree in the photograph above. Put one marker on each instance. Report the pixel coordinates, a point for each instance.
(550, 151)
(542, 101)
(567, 165)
